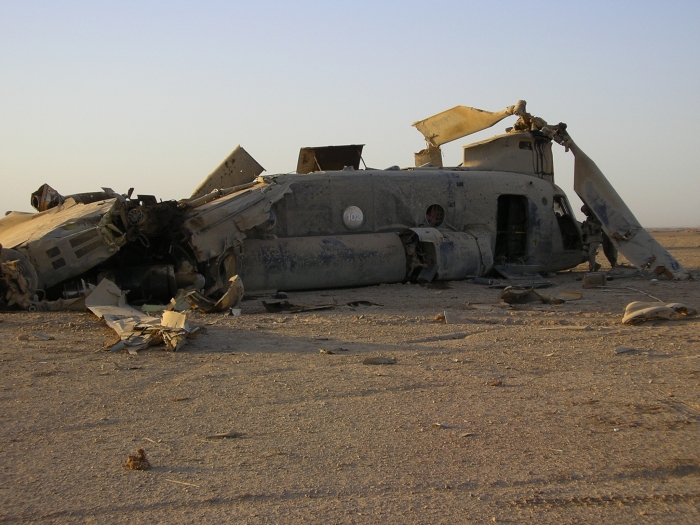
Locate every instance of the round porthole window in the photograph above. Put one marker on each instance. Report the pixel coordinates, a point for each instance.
(435, 215)
(353, 217)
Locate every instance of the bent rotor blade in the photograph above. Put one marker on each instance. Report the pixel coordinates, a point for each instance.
(458, 122)
(619, 223)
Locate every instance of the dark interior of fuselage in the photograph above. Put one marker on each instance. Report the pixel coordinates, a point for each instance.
(511, 229)
(569, 232)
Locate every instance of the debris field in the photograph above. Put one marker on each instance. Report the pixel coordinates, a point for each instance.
(477, 410)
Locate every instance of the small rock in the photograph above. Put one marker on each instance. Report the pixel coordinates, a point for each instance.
(497, 382)
(138, 461)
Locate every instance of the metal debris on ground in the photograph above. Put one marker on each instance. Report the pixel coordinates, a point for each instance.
(231, 298)
(518, 271)
(640, 311)
(286, 306)
(513, 296)
(455, 318)
(356, 304)
(136, 330)
(524, 286)
(379, 361)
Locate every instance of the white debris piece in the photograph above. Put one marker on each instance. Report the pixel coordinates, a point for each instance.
(136, 329)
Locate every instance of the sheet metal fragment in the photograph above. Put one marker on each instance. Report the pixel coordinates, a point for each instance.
(231, 298)
(640, 311)
(136, 330)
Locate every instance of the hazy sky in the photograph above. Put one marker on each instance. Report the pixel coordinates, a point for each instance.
(153, 95)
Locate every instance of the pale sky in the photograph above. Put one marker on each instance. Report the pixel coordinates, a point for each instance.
(153, 95)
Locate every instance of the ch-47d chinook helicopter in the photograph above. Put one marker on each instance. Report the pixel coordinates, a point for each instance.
(330, 224)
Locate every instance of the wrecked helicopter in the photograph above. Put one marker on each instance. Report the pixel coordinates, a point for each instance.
(330, 224)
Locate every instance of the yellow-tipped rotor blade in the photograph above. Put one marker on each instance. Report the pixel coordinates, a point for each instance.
(458, 122)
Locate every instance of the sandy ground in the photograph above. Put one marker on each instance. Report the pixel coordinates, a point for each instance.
(574, 432)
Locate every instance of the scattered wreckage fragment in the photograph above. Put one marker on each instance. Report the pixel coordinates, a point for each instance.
(641, 311)
(136, 330)
(329, 225)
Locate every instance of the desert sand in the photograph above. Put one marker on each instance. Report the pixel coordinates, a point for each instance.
(537, 413)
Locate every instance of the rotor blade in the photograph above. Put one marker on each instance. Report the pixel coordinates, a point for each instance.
(619, 223)
(458, 122)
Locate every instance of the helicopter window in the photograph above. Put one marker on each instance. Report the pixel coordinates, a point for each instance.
(434, 215)
(560, 208)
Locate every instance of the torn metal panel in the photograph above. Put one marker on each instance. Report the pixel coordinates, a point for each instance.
(430, 156)
(236, 169)
(329, 158)
(17, 228)
(231, 298)
(431, 235)
(484, 241)
(136, 330)
(513, 295)
(46, 198)
(458, 122)
(219, 226)
(174, 330)
(63, 241)
(618, 221)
